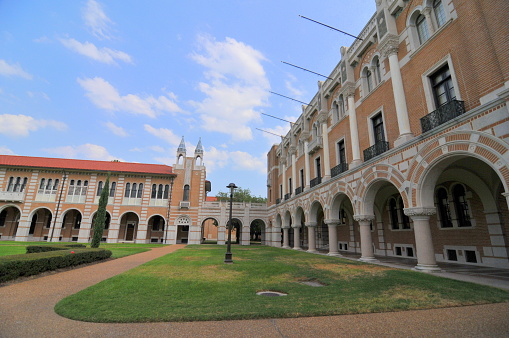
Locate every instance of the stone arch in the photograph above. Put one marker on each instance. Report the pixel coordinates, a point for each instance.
(155, 230)
(371, 181)
(10, 220)
(438, 154)
(70, 224)
(40, 229)
(209, 228)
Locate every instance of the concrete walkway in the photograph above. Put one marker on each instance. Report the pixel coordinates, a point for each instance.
(26, 310)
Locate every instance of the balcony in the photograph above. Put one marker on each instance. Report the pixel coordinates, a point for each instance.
(298, 191)
(375, 150)
(315, 144)
(315, 181)
(444, 113)
(278, 200)
(342, 167)
(185, 204)
(287, 196)
(9, 196)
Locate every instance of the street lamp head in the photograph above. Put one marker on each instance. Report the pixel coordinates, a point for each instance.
(232, 186)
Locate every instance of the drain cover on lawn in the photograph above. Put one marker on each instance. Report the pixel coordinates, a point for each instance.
(312, 283)
(271, 293)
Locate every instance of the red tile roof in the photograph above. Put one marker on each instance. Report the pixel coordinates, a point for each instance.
(64, 163)
(211, 199)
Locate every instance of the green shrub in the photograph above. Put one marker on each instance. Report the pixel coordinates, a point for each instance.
(12, 267)
(45, 248)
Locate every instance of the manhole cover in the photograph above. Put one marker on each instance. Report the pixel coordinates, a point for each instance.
(271, 293)
(312, 283)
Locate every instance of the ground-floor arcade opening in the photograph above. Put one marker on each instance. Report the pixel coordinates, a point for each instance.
(9, 222)
(106, 227)
(209, 229)
(156, 229)
(40, 225)
(70, 226)
(128, 227)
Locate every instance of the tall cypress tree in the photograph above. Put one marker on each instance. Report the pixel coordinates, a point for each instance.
(100, 218)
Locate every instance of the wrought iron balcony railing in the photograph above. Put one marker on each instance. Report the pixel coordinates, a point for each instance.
(278, 200)
(375, 150)
(298, 190)
(287, 196)
(339, 169)
(444, 113)
(315, 181)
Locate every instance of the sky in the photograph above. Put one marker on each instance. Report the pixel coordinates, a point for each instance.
(126, 80)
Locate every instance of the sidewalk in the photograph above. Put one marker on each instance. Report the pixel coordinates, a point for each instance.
(26, 310)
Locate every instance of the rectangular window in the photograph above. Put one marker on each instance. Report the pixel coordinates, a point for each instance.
(410, 252)
(378, 128)
(318, 167)
(302, 178)
(452, 255)
(398, 251)
(341, 152)
(443, 87)
(470, 256)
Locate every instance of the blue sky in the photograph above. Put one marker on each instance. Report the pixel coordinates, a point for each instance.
(104, 79)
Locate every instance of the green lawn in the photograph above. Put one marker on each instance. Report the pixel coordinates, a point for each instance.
(118, 249)
(194, 284)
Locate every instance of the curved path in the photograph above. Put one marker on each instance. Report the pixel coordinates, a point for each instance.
(26, 310)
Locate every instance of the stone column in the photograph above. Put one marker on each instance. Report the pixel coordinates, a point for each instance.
(284, 181)
(306, 165)
(311, 236)
(296, 237)
(423, 240)
(326, 154)
(367, 254)
(354, 131)
(389, 47)
(286, 240)
(333, 236)
(294, 172)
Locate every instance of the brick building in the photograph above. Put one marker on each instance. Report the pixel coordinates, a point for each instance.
(49, 199)
(404, 151)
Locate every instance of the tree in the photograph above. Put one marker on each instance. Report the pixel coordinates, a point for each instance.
(241, 195)
(100, 218)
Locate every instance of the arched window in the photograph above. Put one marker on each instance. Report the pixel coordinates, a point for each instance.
(160, 192)
(377, 71)
(422, 28)
(25, 181)
(186, 193)
(438, 9)
(127, 190)
(33, 224)
(335, 111)
(49, 184)
(78, 183)
(17, 185)
(166, 191)
(77, 221)
(393, 213)
(42, 185)
(443, 208)
(461, 206)
(112, 189)
(154, 191)
(140, 191)
(55, 186)
(133, 190)
(99, 188)
(405, 220)
(369, 80)
(341, 104)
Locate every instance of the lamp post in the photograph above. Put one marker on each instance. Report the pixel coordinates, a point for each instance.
(228, 256)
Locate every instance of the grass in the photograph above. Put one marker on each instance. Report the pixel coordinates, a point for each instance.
(194, 284)
(118, 249)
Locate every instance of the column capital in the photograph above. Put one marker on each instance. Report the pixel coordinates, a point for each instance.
(304, 136)
(420, 211)
(332, 222)
(296, 225)
(348, 89)
(285, 227)
(363, 218)
(310, 224)
(389, 45)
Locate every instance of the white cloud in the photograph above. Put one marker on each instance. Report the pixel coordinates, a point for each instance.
(236, 86)
(240, 160)
(22, 125)
(164, 134)
(6, 151)
(278, 130)
(96, 20)
(294, 92)
(116, 130)
(105, 55)
(86, 151)
(13, 70)
(105, 96)
(38, 95)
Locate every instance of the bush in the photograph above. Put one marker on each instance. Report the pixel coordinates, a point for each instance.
(12, 267)
(45, 248)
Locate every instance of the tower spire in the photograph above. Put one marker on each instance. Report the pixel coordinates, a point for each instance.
(199, 147)
(182, 146)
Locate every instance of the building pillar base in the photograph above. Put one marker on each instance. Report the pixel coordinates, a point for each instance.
(368, 259)
(427, 268)
(334, 254)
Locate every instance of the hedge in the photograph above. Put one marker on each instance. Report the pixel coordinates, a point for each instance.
(45, 248)
(14, 266)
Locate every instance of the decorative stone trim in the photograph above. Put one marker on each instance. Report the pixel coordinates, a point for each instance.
(419, 211)
(364, 218)
(332, 222)
(348, 89)
(389, 45)
(310, 224)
